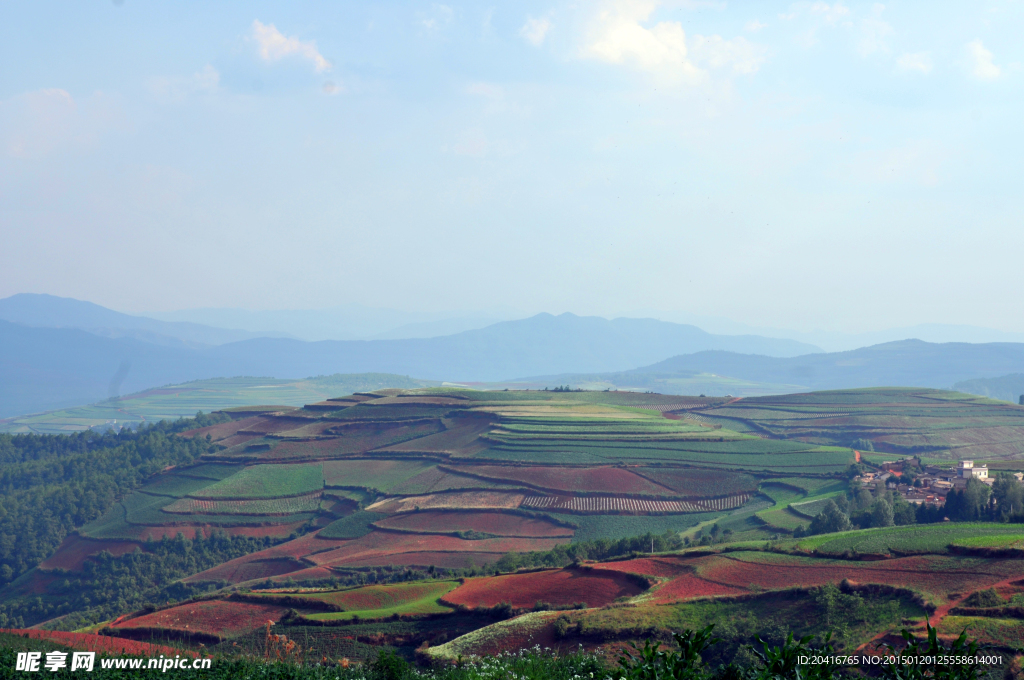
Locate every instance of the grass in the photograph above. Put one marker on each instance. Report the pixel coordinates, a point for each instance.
(354, 526)
(923, 538)
(592, 527)
(268, 481)
(381, 475)
(898, 421)
(420, 597)
(182, 401)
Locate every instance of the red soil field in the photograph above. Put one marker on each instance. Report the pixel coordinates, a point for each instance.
(271, 424)
(37, 582)
(75, 549)
(689, 586)
(221, 430)
(555, 586)
(144, 533)
(278, 560)
(314, 429)
(663, 567)
(497, 523)
(694, 483)
(358, 439)
(936, 576)
(88, 642)
(461, 438)
(237, 439)
(246, 569)
(594, 480)
(446, 560)
(220, 618)
(380, 544)
(310, 574)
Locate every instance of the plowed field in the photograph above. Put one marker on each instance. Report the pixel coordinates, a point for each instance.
(555, 586)
(648, 566)
(75, 549)
(583, 480)
(220, 618)
(379, 544)
(87, 642)
(261, 506)
(467, 500)
(497, 523)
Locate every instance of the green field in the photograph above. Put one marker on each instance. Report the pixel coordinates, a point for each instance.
(182, 401)
(924, 538)
(353, 526)
(408, 598)
(268, 481)
(898, 422)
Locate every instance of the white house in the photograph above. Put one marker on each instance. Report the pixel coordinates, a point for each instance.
(967, 470)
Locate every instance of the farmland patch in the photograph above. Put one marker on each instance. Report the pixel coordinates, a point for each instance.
(560, 587)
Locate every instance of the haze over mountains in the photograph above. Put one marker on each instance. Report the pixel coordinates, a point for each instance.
(57, 352)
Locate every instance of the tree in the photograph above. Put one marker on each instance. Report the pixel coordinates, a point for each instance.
(1009, 495)
(830, 520)
(902, 511)
(881, 513)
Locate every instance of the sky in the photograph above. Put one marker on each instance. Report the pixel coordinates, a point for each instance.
(844, 166)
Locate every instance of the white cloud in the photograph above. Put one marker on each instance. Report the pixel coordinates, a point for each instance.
(754, 26)
(273, 45)
(920, 62)
(982, 65)
(440, 15)
(740, 55)
(178, 88)
(618, 37)
(330, 87)
(535, 30)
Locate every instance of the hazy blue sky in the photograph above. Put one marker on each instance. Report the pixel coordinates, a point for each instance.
(847, 166)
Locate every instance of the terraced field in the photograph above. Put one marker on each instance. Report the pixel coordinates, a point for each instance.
(443, 474)
(904, 421)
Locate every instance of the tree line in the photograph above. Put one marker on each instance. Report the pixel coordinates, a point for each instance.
(53, 484)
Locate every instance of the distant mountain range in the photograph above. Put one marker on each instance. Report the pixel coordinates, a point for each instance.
(973, 368)
(49, 311)
(65, 353)
(1007, 387)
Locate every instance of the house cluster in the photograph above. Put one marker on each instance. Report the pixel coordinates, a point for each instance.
(931, 483)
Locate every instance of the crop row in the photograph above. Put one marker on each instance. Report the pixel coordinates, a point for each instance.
(355, 440)
(669, 407)
(267, 481)
(621, 504)
(258, 506)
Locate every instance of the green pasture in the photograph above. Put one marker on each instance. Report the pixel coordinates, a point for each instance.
(268, 481)
(355, 525)
(915, 538)
(900, 422)
(613, 527)
(396, 602)
(171, 402)
(381, 475)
